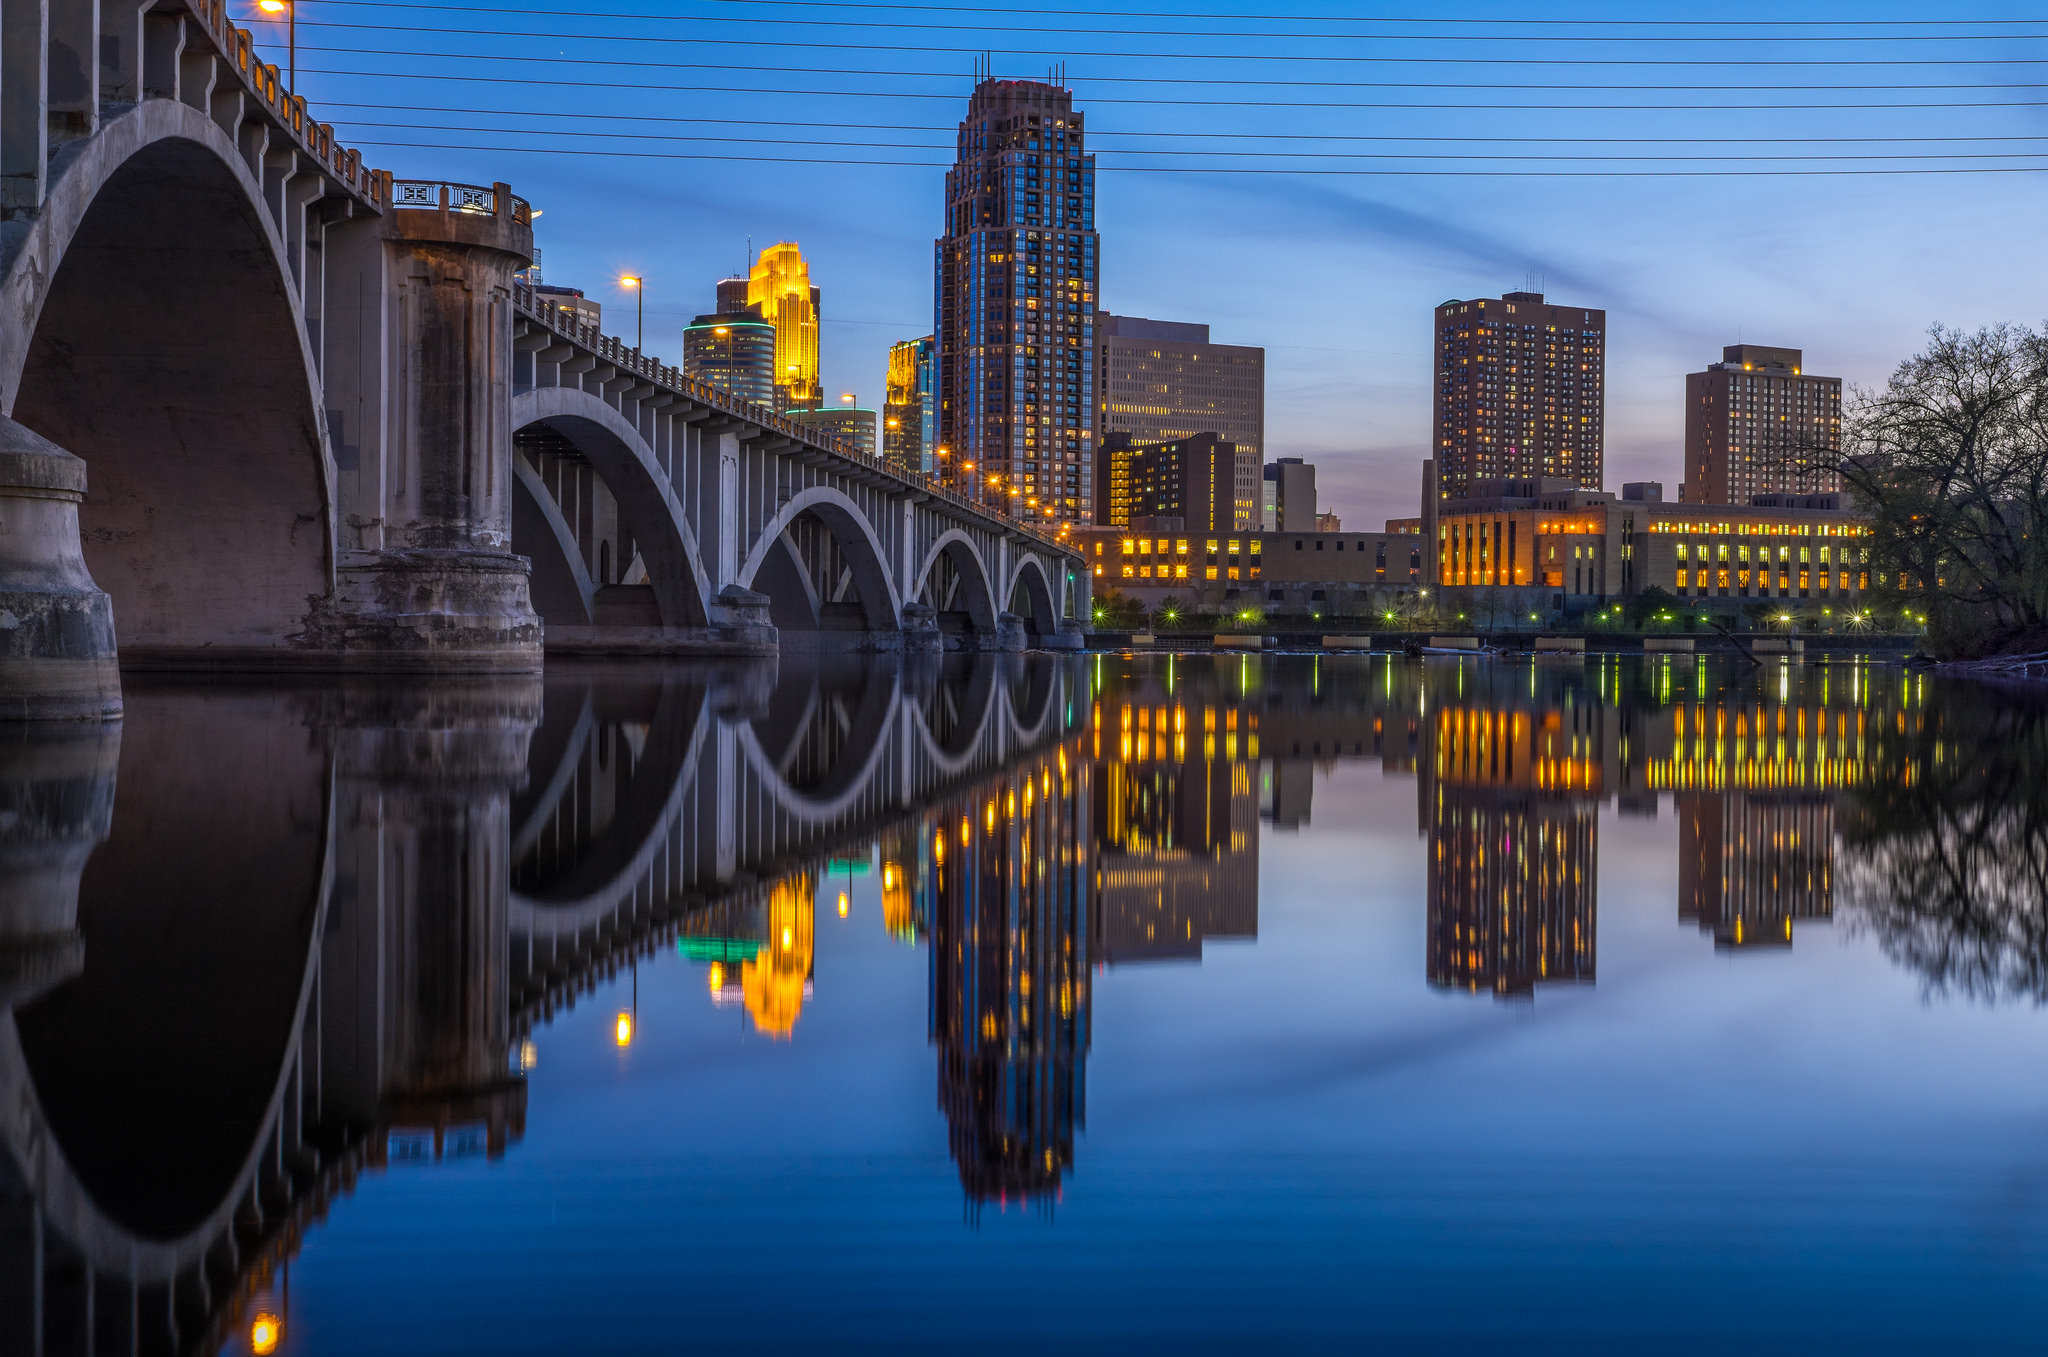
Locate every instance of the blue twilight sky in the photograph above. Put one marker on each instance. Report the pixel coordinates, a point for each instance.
(605, 121)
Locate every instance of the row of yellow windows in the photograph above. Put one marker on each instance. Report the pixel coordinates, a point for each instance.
(1180, 572)
(1764, 553)
(1142, 546)
(1709, 579)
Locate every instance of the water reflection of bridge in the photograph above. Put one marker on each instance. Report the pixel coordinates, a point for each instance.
(303, 931)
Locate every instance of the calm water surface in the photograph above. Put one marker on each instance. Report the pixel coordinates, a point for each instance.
(1030, 1004)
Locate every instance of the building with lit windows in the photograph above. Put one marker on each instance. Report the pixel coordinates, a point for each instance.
(735, 353)
(1568, 548)
(1159, 381)
(1757, 423)
(1014, 299)
(569, 304)
(1190, 480)
(910, 409)
(1520, 392)
(847, 422)
(779, 288)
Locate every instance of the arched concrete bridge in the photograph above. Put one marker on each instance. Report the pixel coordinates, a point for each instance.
(322, 374)
(652, 505)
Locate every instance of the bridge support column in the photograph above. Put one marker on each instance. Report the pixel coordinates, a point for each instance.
(57, 658)
(921, 634)
(436, 585)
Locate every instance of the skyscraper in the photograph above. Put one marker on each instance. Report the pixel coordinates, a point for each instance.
(1756, 424)
(779, 287)
(733, 352)
(732, 297)
(1160, 380)
(1015, 302)
(1520, 391)
(909, 411)
(847, 422)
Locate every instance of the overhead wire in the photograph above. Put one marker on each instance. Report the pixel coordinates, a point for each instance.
(1153, 151)
(1231, 18)
(1098, 131)
(1106, 100)
(1196, 169)
(1153, 80)
(1058, 54)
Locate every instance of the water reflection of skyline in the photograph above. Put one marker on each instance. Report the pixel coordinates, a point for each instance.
(469, 862)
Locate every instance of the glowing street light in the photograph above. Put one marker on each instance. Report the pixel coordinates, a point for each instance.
(622, 1030)
(290, 9)
(639, 287)
(265, 1332)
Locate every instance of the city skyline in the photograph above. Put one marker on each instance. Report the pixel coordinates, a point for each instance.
(1683, 265)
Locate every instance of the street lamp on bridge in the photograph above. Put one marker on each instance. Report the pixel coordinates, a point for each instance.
(639, 286)
(290, 9)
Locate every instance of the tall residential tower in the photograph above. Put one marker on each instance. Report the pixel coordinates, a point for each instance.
(1015, 301)
(1756, 424)
(1520, 390)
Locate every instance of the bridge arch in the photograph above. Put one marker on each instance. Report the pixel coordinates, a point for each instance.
(776, 567)
(209, 514)
(953, 579)
(1032, 597)
(565, 589)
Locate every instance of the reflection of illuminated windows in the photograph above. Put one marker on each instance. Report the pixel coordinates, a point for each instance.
(1750, 864)
(1512, 898)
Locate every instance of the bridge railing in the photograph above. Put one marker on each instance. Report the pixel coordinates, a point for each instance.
(237, 46)
(436, 195)
(629, 359)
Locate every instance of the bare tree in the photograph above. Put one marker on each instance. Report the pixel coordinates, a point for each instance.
(1950, 460)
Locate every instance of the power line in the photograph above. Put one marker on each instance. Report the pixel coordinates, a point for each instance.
(439, 77)
(978, 50)
(1096, 31)
(1203, 82)
(1283, 155)
(1096, 132)
(1253, 18)
(1192, 169)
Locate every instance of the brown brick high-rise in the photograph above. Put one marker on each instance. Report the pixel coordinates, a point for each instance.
(1756, 423)
(1520, 391)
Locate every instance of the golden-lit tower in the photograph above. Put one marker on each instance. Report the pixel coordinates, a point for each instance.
(780, 286)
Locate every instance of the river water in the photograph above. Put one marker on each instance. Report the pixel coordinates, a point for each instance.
(1021, 1004)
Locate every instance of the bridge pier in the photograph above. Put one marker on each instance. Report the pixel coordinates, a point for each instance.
(57, 659)
(426, 577)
